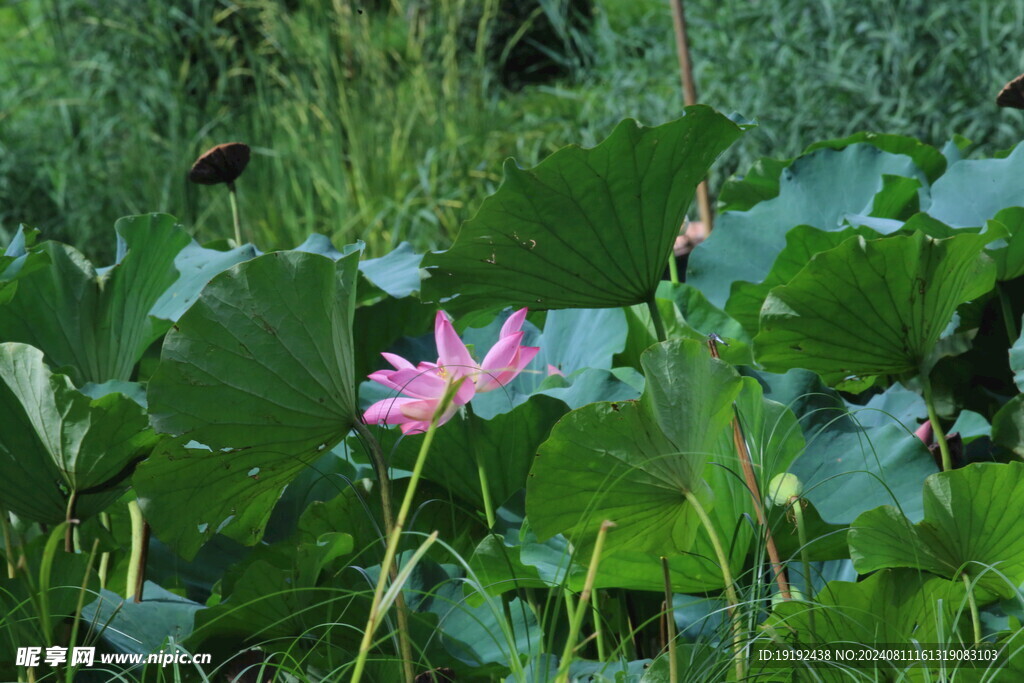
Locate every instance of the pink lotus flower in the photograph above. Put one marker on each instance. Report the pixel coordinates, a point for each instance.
(424, 385)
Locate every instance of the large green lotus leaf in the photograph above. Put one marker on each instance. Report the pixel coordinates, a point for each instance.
(631, 462)
(97, 323)
(506, 446)
(855, 461)
(586, 228)
(19, 260)
(263, 358)
(56, 440)
(774, 439)
(874, 307)
(260, 371)
(818, 189)
(892, 606)
(972, 191)
(802, 243)
(973, 523)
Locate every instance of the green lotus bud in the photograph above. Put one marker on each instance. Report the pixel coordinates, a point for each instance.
(783, 487)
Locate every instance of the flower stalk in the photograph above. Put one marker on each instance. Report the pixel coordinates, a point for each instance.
(376, 611)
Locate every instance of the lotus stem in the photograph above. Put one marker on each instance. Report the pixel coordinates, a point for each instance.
(69, 530)
(1007, 311)
(689, 96)
(659, 324)
(670, 624)
(750, 477)
(481, 472)
(81, 603)
(233, 196)
(396, 533)
(45, 572)
(105, 556)
(973, 604)
(576, 615)
(933, 417)
(5, 524)
(137, 559)
(805, 558)
(673, 269)
(732, 600)
(380, 466)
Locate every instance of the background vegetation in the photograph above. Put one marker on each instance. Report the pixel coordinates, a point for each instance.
(387, 120)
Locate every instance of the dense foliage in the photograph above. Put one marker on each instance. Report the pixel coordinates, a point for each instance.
(391, 125)
(851, 323)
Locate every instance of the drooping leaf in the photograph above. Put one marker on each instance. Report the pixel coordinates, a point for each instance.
(97, 323)
(973, 523)
(259, 374)
(803, 242)
(1009, 253)
(56, 441)
(759, 184)
(874, 307)
(744, 244)
(898, 199)
(586, 228)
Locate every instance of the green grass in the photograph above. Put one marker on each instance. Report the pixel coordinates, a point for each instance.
(392, 126)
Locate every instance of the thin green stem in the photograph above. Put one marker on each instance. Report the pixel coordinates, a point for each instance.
(577, 614)
(732, 600)
(805, 557)
(380, 466)
(670, 623)
(1007, 310)
(105, 556)
(659, 324)
(673, 269)
(45, 572)
(137, 559)
(236, 219)
(392, 547)
(5, 523)
(595, 615)
(481, 472)
(973, 604)
(70, 672)
(933, 417)
(69, 512)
